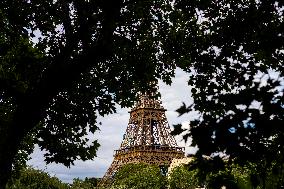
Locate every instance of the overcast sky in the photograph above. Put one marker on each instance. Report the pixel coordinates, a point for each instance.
(112, 130)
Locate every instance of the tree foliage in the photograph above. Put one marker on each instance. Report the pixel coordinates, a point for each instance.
(30, 178)
(217, 172)
(182, 178)
(139, 176)
(63, 63)
(88, 183)
(233, 52)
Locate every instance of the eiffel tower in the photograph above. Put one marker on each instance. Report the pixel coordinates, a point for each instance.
(147, 139)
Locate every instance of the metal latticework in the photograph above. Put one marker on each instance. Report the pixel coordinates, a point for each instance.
(147, 139)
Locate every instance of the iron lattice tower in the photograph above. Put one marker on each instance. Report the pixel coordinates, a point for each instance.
(147, 139)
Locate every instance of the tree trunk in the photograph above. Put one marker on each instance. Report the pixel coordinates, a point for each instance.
(6, 160)
(9, 142)
(11, 136)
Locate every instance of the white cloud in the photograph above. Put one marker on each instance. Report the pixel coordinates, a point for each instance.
(112, 130)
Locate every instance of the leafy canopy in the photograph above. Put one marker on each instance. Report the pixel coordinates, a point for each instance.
(63, 63)
(233, 52)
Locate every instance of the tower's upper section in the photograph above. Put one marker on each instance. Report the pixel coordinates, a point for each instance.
(146, 102)
(148, 125)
